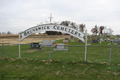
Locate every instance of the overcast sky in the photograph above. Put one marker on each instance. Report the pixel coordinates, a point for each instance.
(19, 15)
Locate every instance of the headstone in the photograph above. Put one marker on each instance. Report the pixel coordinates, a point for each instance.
(116, 41)
(47, 43)
(109, 44)
(90, 40)
(107, 39)
(72, 38)
(101, 39)
(98, 38)
(66, 38)
(61, 47)
(35, 46)
(95, 41)
(65, 41)
(118, 35)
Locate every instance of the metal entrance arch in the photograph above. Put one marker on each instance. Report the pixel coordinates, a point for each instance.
(50, 27)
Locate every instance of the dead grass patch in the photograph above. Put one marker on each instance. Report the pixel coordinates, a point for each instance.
(31, 51)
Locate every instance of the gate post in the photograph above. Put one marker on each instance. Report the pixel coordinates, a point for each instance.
(19, 47)
(2, 50)
(85, 44)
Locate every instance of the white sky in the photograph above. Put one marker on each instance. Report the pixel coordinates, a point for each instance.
(19, 15)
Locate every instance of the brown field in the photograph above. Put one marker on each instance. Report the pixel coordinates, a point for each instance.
(14, 39)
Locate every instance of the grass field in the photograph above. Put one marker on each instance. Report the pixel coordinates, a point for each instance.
(68, 65)
(27, 69)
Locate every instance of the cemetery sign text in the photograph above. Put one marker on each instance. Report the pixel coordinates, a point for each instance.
(52, 27)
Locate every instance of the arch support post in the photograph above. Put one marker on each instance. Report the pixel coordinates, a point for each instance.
(85, 44)
(19, 47)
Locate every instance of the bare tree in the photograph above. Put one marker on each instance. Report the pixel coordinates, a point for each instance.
(101, 30)
(65, 23)
(95, 30)
(110, 31)
(73, 25)
(82, 27)
(69, 24)
(3, 33)
(8, 32)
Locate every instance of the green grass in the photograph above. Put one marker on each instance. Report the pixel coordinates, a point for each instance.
(100, 54)
(68, 65)
(28, 69)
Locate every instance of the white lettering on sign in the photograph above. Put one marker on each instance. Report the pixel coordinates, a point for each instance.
(52, 27)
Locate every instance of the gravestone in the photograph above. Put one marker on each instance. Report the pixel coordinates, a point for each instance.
(65, 41)
(35, 46)
(72, 38)
(118, 35)
(90, 40)
(116, 41)
(109, 44)
(66, 38)
(98, 38)
(94, 41)
(61, 47)
(47, 43)
(107, 39)
(101, 39)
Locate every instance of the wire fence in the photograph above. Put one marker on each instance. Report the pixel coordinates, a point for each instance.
(106, 54)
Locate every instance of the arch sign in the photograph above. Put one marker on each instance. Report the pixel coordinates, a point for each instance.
(52, 27)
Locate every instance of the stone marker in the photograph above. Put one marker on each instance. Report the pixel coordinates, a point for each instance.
(98, 38)
(95, 41)
(101, 39)
(35, 46)
(66, 38)
(107, 39)
(72, 38)
(118, 35)
(116, 41)
(65, 41)
(61, 47)
(47, 43)
(109, 44)
(90, 40)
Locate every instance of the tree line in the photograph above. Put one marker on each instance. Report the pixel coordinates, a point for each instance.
(79, 27)
(102, 30)
(6, 33)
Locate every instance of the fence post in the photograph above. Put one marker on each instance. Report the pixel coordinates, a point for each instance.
(19, 47)
(85, 43)
(2, 50)
(49, 52)
(110, 56)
